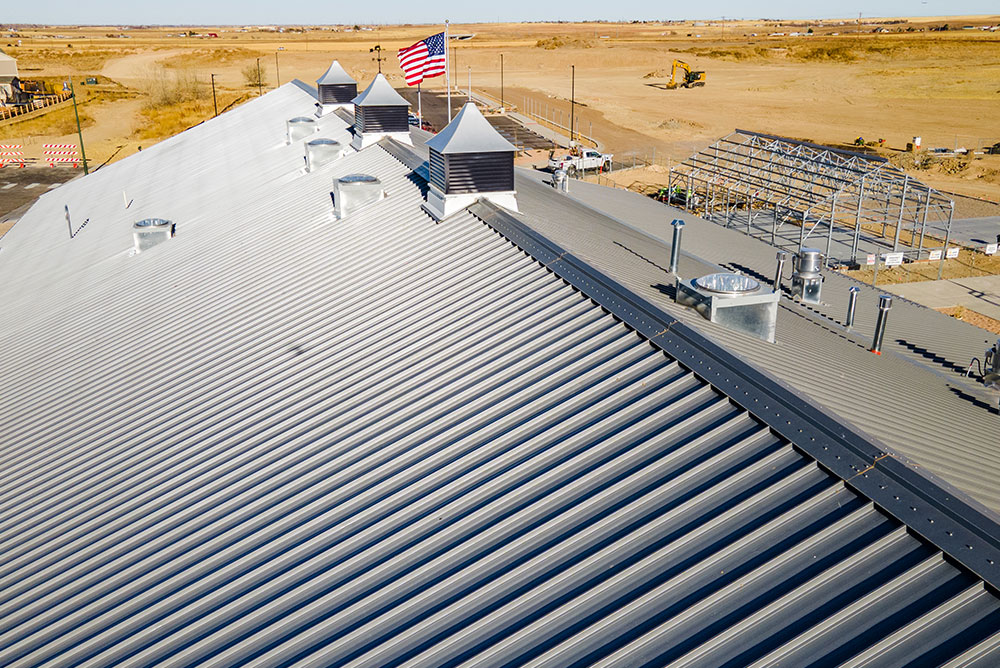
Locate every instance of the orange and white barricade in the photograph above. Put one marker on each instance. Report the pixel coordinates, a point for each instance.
(60, 154)
(11, 153)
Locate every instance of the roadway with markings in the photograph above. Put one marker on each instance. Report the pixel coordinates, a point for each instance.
(19, 188)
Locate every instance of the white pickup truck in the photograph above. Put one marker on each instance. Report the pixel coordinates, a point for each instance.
(588, 159)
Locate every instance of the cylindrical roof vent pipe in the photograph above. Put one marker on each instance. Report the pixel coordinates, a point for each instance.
(852, 305)
(675, 246)
(884, 304)
(560, 181)
(782, 258)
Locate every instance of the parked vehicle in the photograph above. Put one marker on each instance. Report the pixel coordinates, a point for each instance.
(588, 159)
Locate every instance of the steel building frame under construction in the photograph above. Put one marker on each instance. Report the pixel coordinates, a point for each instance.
(766, 183)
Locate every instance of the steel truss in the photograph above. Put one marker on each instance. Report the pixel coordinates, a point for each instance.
(772, 184)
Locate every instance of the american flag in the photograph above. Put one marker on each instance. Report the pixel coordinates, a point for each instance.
(423, 60)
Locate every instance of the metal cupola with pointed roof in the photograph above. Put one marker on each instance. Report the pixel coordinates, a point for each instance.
(469, 160)
(336, 89)
(380, 112)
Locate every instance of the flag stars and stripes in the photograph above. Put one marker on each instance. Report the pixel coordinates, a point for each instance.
(423, 60)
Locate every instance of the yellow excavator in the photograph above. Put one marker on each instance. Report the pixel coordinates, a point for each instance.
(691, 79)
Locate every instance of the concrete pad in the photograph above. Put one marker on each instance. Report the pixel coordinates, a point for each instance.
(976, 231)
(979, 293)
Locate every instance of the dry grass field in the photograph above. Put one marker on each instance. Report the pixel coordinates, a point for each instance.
(841, 82)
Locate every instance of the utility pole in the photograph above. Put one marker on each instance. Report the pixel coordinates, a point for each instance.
(79, 131)
(572, 103)
(501, 81)
(277, 73)
(260, 84)
(215, 103)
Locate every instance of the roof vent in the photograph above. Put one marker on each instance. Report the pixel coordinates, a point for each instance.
(336, 90)
(354, 191)
(807, 279)
(733, 300)
(150, 232)
(300, 127)
(469, 160)
(380, 112)
(321, 152)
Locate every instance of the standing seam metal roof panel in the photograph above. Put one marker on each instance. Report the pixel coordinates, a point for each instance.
(382, 440)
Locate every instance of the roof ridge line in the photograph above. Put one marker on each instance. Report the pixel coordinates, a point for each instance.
(952, 521)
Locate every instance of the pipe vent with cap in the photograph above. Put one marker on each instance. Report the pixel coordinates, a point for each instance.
(469, 160)
(335, 89)
(299, 127)
(380, 112)
(354, 191)
(150, 232)
(322, 151)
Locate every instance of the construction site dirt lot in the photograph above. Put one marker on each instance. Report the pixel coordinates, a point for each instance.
(841, 81)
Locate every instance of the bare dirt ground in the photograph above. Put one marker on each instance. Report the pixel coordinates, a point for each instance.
(842, 82)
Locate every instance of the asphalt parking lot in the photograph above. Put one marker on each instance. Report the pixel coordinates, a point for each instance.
(20, 187)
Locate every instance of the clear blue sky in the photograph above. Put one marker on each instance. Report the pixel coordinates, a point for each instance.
(195, 12)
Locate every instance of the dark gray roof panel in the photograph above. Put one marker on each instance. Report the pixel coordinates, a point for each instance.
(381, 440)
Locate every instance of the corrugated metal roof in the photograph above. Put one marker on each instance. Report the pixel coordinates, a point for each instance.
(469, 132)
(335, 74)
(914, 400)
(283, 439)
(380, 93)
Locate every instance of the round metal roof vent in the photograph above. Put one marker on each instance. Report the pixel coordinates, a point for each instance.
(728, 284)
(301, 119)
(323, 141)
(357, 179)
(152, 222)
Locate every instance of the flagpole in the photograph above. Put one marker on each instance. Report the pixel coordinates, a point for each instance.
(447, 69)
(420, 113)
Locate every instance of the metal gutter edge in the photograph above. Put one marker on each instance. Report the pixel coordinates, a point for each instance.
(947, 518)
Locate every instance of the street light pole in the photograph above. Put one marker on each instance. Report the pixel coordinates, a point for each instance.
(79, 131)
(260, 84)
(215, 102)
(277, 72)
(501, 81)
(572, 104)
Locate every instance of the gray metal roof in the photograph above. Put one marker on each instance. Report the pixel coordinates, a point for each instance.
(469, 132)
(380, 93)
(283, 439)
(914, 398)
(335, 74)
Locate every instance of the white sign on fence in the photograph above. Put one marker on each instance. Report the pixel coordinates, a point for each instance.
(870, 260)
(935, 255)
(991, 249)
(952, 253)
(893, 259)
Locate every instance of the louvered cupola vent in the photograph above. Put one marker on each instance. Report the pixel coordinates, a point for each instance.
(380, 112)
(469, 160)
(336, 90)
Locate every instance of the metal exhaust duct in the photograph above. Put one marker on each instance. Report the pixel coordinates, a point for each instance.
(321, 152)
(150, 232)
(560, 181)
(354, 191)
(852, 306)
(807, 279)
(299, 127)
(733, 300)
